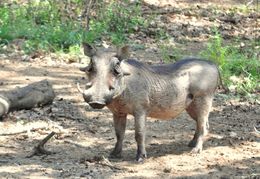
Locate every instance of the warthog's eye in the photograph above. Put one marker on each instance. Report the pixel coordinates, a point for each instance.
(116, 70)
(115, 66)
(90, 68)
(87, 69)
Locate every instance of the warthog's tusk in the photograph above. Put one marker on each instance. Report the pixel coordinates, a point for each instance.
(79, 89)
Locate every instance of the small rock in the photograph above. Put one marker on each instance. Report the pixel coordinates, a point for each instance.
(152, 49)
(3, 56)
(26, 58)
(205, 13)
(242, 44)
(134, 1)
(54, 110)
(153, 24)
(84, 174)
(257, 111)
(167, 170)
(232, 134)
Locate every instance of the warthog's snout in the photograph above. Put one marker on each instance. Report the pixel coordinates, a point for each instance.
(97, 104)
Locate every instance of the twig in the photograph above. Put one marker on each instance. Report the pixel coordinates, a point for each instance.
(101, 160)
(258, 132)
(7, 146)
(74, 143)
(75, 118)
(69, 116)
(105, 162)
(86, 13)
(249, 3)
(23, 131)
(232, 143)
(39, 149)
(4, 161)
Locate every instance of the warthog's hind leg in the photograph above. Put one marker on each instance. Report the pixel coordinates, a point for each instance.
(199, 110)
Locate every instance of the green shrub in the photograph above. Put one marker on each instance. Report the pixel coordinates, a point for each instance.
(43, 12)
(240, 69)
(242, 73)
(169, 54)
(48, 25)
(40, 26)
(115, 21)
(216, 51)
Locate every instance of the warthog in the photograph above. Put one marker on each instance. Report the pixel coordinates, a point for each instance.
(127, 86)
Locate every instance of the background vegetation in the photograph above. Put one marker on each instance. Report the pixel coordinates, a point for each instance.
(51, 25)
(60, 26)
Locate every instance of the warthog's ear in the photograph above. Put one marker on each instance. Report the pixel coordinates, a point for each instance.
(89, 50)
(125, 68)
(123, 53)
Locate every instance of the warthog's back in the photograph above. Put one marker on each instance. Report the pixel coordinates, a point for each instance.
(166, 90)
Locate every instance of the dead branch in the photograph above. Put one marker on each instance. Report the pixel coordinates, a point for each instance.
(86, 13)
(105, 162)
(101, 160)
(249, 3)
(39, 149)
(21, 132)
(33, 95)
(74, 143)
(69, 116)
(7, 146)
(232, 143)
(257, 131)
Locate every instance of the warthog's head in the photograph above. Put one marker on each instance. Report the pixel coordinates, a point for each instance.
(105, 76)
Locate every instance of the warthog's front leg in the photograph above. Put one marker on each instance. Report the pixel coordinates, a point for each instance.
(120, 125)
(140, 119)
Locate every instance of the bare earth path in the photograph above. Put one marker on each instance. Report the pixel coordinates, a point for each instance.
(85, 137)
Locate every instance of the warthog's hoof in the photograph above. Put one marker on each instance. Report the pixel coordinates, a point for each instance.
(141, 157)
(192, 143)
(196, 150)
(115, 155)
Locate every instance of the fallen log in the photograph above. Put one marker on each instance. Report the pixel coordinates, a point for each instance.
(33, 95)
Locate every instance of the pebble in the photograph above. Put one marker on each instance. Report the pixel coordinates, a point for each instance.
(167, 170)
(25, 57)
(232, 134)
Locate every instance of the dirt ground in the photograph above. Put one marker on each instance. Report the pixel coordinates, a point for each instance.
(84, 137)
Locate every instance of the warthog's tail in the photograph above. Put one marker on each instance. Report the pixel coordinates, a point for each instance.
(221, 85)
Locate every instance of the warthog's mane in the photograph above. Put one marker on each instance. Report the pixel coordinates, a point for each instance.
(166, 69)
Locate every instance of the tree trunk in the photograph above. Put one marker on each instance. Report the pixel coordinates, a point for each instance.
(33, 95)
